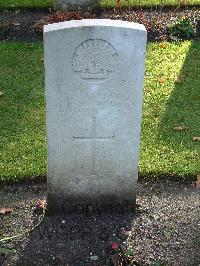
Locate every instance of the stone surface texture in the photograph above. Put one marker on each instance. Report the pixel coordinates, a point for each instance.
(94, 72)
(76, 4)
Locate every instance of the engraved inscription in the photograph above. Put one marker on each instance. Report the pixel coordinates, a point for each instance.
(95, 59)
(93, 138)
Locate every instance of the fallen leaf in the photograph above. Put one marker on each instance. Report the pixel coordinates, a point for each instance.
(114, 246)
(5, 210)
(163, 45)
(94, 258)
(161, 80)
(196, 138)
(41, 204)
(5, 251)
(179, 80)
(197, 182)
(1, 93)
(180, 128)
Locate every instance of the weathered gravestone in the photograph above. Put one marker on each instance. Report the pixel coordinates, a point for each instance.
(76, 4)
(94, 73)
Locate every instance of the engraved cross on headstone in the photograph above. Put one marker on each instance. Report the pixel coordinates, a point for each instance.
(93, 138)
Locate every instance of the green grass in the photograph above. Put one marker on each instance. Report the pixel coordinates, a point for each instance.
(22, 109)
(104, 3)
(166, 104)
(26, 3)
(147, 3)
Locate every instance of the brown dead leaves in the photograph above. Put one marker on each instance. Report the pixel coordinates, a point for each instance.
(196, 138)
(163, 45)
(5, 210)
(184, 128)
(179, 80)
(196, 183)
(41, 204)
(181, 128)
(161, 80)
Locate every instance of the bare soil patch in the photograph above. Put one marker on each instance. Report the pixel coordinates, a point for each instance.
(165, 229)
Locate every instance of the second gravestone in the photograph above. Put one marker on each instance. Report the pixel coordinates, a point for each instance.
(94, 72)
(76, 4)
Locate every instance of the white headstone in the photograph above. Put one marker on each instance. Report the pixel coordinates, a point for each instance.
(94, 72)
(76, 4)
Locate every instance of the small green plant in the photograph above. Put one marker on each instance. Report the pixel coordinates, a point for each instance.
(182, 28)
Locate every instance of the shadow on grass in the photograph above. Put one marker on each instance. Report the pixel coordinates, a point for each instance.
(170, 102)
(183, 106)
(181, 119)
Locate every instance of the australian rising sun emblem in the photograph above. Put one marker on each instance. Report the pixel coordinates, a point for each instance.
(95, 59)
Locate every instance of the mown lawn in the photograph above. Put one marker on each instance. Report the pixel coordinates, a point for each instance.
(22, 110)
(172, 98)
(26, 3)
(147, 3)
(104, 3)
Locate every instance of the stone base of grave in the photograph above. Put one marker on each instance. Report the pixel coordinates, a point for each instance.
(102, 198)
(58, 204)
(76, 5)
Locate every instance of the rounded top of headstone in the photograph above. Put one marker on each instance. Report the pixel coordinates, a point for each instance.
(92, 23)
